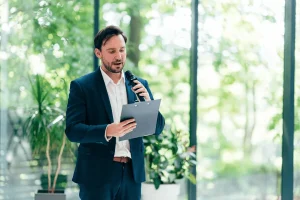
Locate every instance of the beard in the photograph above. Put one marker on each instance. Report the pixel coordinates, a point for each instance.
(113, 67)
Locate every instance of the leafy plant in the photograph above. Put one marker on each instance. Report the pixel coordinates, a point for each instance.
(168, 157)
(44, 127)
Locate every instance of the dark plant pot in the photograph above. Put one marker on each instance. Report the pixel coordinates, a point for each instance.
(44, 195)
(61, 182)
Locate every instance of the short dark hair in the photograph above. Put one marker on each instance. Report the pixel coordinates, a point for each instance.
(105, 34)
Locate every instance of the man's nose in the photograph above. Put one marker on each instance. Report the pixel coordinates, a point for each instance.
(118, 55)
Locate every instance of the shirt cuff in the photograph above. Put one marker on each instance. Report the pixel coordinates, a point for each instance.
(107, 138)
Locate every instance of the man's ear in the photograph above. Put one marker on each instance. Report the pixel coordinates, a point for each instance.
(98, 53)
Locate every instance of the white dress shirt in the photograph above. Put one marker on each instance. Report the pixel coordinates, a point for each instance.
(118, 97)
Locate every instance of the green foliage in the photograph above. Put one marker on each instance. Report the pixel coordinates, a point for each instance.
(168, 157)
(41, 116)
(45, 128)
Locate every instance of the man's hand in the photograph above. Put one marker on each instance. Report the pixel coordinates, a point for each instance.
(140, 90)
(120, 129)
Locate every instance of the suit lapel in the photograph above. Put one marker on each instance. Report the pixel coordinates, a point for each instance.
(130, 94)
(104, 95)
(131, 97)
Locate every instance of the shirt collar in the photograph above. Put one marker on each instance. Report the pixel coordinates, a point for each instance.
(107, 79)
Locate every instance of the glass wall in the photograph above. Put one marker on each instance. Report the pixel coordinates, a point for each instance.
(240, 99)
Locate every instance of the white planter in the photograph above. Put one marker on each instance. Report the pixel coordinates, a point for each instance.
(50, 196)
(164, 192)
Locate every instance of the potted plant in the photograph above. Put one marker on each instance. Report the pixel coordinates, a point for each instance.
(45, 130)
(168, 160)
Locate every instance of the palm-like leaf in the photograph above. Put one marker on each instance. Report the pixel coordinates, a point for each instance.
(40, 126)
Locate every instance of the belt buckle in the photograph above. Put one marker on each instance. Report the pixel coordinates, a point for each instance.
(122, 159)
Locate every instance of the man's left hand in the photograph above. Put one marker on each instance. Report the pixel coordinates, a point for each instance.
(140, 90)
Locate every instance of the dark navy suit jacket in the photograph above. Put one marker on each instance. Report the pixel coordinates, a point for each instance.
(88, 114)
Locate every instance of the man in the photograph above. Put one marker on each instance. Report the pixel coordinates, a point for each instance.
(106, 168)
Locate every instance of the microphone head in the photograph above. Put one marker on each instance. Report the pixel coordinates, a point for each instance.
(129, 76)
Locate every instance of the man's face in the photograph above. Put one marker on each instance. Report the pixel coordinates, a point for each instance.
(113, 54)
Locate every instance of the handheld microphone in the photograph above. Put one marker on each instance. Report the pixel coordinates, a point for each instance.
(129, 76)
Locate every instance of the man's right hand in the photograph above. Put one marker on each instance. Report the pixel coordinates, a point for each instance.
(121, 128)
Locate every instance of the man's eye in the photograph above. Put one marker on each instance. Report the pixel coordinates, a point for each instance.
(111, 52)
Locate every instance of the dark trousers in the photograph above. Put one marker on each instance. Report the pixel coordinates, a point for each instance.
(122, 186)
